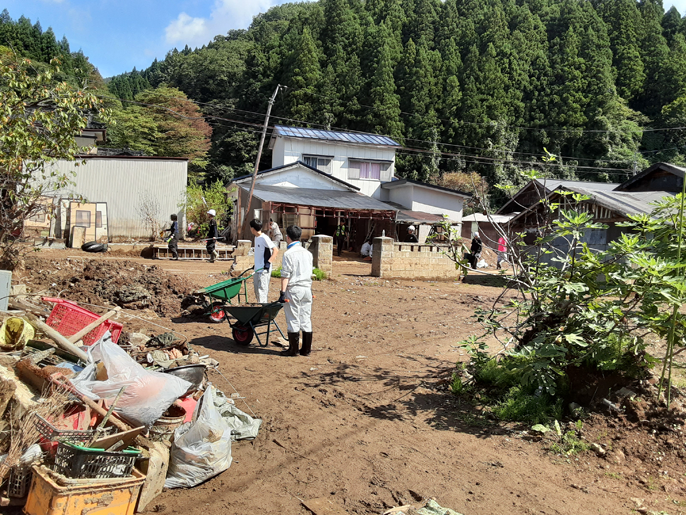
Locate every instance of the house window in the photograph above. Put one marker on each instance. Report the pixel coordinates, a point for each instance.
(369, 170)
(38, 216)
(321, 163)
(83, 218)
(98, 219)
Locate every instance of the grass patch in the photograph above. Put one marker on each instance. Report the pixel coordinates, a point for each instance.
(521, 406)
(317, 274)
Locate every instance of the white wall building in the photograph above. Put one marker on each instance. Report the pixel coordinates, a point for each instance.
(308, 161)
(364, 160)
(123, 182)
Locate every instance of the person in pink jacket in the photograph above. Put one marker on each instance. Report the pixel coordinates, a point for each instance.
(502, 251)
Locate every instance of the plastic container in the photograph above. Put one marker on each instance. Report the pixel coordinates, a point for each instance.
(68, 318)
(50, 432)
(78, 462)
(163, 429)
(19, 481)
(114, 497)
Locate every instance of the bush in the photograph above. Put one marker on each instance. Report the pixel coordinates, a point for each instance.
(199, 201)
(521, 405)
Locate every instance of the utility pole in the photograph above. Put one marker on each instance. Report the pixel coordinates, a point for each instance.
(259, 155)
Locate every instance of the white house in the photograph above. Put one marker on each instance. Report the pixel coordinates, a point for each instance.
(320, 177)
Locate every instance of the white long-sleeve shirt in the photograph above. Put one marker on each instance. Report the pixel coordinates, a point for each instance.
(297, 266)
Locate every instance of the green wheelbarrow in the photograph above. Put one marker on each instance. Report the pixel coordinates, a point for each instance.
(221, 293)
(249, 318)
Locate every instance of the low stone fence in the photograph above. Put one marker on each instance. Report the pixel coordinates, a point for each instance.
(321, 249)
(410, 261)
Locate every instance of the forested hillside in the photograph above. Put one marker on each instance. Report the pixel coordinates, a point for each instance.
(25, 39)
(480, 85)
(153, 125)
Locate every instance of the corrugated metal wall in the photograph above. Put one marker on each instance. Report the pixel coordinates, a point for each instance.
(121, 183)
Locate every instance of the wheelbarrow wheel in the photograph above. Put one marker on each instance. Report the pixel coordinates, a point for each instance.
(242, 334)
(217, 314)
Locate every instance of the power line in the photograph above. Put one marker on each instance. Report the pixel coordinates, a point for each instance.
(479, 159)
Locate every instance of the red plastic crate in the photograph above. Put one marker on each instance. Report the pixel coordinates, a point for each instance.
(68, 318)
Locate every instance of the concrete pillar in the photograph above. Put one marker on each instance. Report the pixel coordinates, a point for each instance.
(5, 288)
(322, 253)
(382, 256)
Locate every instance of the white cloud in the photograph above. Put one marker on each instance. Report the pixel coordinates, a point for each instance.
(225, 15)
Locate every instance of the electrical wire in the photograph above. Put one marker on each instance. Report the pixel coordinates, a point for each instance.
(464, 156)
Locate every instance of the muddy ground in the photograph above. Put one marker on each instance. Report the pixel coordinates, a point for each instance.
(367, 420)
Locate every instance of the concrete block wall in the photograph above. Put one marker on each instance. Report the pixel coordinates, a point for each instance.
(322, 253)
(410, 261)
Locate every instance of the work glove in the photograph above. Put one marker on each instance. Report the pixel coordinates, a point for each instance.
(170, 239)
(282, 297)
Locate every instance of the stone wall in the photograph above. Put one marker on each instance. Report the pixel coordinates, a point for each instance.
(410, 261)
(322, 253)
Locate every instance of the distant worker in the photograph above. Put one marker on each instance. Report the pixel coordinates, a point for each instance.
(173, 240)
(411, 237)
(212, 235)
(275, 233)
(475, 250)
(502, 251)
(265, 254)
(340, 234)
(296, 287)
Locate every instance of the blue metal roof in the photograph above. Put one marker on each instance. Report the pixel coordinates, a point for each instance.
(346, 137)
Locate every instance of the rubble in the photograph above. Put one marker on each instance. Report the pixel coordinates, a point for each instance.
(93, 412)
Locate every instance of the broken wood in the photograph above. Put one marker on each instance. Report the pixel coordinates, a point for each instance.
(128, 437)
(7, 389)
(25, 305)
(83, 332)
(62, 382)
(60, 340)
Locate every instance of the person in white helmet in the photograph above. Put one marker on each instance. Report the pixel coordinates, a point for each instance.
(212, 235)
(411, 236)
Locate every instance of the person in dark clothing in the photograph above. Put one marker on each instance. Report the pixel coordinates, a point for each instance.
(411, 236)
(212, 235)
(173, 241)
(341, 233)
(475, 250)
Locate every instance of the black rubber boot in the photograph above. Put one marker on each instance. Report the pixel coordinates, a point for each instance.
(293, 345)
(307, 344)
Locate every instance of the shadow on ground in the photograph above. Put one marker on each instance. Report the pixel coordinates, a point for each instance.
(424, 397)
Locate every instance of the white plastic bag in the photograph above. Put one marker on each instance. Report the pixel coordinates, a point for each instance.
(147, 395)
(482, 264)
(243, 426)
(201, 449)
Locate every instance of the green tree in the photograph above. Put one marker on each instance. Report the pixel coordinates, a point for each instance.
(303, 78)
(39, 119)
(183, 131)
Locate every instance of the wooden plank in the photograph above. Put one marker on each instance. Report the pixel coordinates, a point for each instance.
(323, 506)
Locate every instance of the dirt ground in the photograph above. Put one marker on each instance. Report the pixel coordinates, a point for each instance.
(367, 420)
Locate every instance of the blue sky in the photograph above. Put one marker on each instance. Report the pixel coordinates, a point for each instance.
(120, 34)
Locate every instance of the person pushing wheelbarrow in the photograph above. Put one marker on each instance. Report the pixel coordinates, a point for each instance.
(296, 293)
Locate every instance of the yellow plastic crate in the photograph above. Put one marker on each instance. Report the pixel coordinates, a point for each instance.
(92, 496)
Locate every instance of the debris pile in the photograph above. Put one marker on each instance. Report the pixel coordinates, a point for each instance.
(126, 284)
(100, 417)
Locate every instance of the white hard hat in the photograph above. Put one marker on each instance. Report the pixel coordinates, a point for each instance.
(212, 212)
(411, 228)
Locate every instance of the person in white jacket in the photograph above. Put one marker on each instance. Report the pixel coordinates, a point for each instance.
(296, 288)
